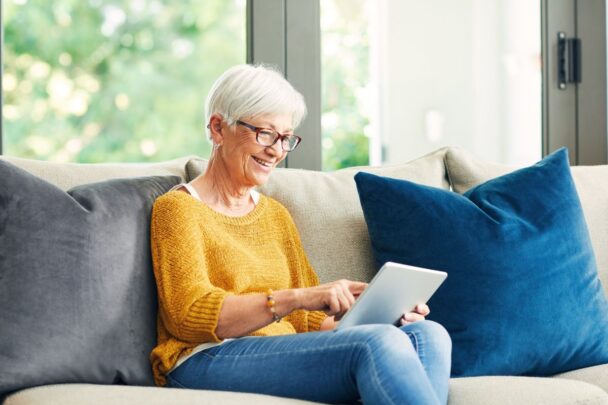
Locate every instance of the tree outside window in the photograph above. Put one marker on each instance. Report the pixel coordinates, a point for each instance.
(119, 80)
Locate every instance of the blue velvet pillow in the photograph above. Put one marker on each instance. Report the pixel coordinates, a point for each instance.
(523, 295)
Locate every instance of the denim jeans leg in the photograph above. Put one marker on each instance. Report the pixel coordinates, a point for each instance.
(377, 363)
(434, 347)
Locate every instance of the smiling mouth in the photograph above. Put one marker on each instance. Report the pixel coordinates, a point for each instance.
(262, 162)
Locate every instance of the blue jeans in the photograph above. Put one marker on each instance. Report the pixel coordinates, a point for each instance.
(380, 364)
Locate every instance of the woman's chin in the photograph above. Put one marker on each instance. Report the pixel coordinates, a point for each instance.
(259, 178)
(259, 175)
(262, 180)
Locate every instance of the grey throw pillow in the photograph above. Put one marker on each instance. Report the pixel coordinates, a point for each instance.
(77, 291)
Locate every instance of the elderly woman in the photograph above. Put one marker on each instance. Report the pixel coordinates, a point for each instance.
(240, 307)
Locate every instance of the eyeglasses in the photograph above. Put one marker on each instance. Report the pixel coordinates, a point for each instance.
(268, 137)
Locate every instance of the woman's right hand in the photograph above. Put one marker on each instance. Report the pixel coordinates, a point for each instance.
(333, 298)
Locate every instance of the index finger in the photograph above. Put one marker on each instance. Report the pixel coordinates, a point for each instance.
(356, 287)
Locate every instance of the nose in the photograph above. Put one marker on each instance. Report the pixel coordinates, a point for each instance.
(276, 149)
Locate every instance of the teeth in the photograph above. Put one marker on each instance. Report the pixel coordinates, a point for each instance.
(263, 163)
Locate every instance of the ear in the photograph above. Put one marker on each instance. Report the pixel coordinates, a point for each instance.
(215, 128)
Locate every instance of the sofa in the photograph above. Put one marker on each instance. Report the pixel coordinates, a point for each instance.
(327, 212)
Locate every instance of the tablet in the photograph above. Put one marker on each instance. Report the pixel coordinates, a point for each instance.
(395, 290)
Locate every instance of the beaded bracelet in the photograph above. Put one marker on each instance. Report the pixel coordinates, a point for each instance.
(270, 304)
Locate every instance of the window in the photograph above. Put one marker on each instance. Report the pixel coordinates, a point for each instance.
(345, 83)
(118, 80)
(125, 80)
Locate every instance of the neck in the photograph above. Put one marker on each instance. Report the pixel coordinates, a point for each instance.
(217, 188)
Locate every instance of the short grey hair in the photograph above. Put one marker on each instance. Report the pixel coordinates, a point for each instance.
(251, 91)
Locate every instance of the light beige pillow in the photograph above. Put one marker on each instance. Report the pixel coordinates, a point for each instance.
(68, 175)
(325, 207)
(466, 171)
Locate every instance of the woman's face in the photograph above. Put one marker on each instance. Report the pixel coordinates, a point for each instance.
(248, 162)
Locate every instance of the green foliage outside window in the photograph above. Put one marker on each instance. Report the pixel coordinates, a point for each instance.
(125, 80)
(345, 83)
(114, 80)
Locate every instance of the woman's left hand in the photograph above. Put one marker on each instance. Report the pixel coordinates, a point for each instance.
(416, 315)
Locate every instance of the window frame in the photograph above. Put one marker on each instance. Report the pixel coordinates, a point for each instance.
(1, 78)
(287, 35)
(576, 117)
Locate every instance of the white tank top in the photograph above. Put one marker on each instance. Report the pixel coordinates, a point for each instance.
(255, 196)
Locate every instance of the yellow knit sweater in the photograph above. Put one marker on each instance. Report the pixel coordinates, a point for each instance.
(200, 256)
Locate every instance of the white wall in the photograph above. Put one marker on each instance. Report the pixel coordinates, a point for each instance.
(463, 73)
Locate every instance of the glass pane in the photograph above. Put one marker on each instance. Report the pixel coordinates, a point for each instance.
(345, 83)
(114, 80)
(402, 78)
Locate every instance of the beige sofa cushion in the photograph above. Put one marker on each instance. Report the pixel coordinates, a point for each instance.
(463, 391)
(466, 171)
(326, 209)
(523, 390)
(89, 394)
(597, 375)
(68, 175)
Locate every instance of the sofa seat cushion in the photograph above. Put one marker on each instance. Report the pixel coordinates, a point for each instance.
(597, 375)
(78, 296)
(523, 390)
(466, 171)
(326, 210)
(463, 391)
(68, 175)
(89, 394)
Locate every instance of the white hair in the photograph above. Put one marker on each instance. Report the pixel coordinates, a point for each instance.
(246, 91)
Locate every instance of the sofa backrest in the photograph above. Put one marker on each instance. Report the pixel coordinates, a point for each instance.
(466, 171)
(325, 207)
(68, 175)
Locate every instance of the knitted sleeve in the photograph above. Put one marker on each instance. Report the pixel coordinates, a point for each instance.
(189, 304)
(303, 275)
